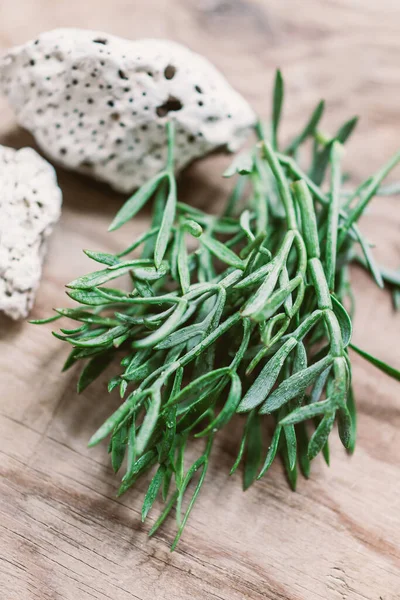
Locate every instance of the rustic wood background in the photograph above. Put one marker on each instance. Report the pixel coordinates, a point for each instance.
(64, 535)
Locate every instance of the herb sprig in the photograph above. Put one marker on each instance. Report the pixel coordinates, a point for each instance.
(252, 320)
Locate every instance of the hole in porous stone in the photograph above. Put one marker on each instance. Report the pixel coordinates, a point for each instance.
(86, 164)
(110, 103)
(8, 293)
(103, 41)
(115, 116)
(172, 104)
(198, 89)
(169, 72)
(63, 151)
(191, 139)
(122, 75)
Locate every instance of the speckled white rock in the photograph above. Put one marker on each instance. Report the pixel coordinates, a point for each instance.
(98, 103)
(30, 203)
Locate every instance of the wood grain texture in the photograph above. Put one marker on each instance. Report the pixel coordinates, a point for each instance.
(64, 535)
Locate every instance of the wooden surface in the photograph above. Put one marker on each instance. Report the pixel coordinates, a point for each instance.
(64, 535)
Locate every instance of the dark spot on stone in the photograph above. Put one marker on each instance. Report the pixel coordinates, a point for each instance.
(101, 122)
(32, 62)
(172, 104)
(127, 89)
(86, 164)
(68, 98)
(111, 156)
(144, 93)
(198, 89)
(57, 125)
(122, 74)
(118, 141)
(191, 139)
(103, 41)
(115, 116)
(110, 103)
(63, 151)
(131, 100)
(169, 72)
(200, 103)
(90, 100)
(144, 128)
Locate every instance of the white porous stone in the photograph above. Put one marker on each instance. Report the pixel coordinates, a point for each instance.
(98, 104)
(30, 203)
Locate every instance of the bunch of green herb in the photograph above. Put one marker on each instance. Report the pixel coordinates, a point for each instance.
(250, 321)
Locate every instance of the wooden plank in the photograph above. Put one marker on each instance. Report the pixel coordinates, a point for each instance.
(64, 535)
